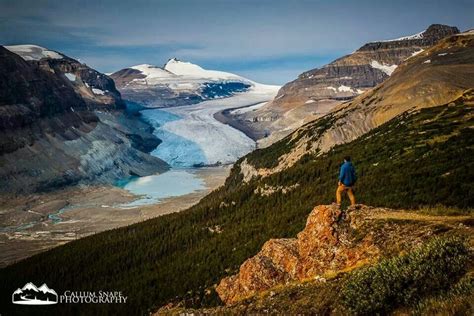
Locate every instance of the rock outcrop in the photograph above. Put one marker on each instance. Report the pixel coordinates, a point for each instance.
(325, 245)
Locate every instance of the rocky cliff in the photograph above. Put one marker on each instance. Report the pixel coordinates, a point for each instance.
(332, 241)
(360, 261)
(317, 91)
(51, 133)
(96, 89)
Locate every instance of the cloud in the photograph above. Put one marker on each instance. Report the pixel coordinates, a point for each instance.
(113, 34)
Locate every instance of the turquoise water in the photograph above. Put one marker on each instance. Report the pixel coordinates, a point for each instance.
(154, 189)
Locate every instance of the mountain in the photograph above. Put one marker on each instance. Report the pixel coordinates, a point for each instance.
(177, 83)
(63, 123)
(96, 89)
(415, 170)
(317, 91)
(438, 75)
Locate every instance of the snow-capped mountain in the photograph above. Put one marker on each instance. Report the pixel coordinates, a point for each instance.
(97, 89)
(51, 133)
(177, 83)
(317, 91)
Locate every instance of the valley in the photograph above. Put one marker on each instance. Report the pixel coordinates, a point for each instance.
(189, 190)
(190, 149)
(36, 223)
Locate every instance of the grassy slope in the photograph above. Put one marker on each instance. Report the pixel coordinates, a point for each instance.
(415, 160)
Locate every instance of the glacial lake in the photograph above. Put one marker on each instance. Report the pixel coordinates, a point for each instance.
(155, 188)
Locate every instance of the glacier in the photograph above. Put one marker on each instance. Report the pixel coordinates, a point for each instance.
(220, 143)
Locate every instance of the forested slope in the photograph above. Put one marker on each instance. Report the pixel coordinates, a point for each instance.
(418, 159)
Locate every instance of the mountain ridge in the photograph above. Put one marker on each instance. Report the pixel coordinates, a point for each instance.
(415, 84)
(318, 91)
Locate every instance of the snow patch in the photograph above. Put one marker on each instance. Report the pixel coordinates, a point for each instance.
(410, 37)
(388, 69)
(33, 52)
(331, 88)
(343, 88)
(442, 54)
(98, 91)
(427, 61)
(417, 52)
(309, 101)
(70, 76)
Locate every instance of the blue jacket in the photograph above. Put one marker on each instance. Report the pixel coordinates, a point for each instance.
(347, 174)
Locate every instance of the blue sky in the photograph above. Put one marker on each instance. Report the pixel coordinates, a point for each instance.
(270, 41)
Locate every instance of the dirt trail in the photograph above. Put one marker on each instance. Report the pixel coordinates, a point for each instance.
(402, 215)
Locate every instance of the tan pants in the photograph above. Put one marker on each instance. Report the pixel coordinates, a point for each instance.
(341, 188)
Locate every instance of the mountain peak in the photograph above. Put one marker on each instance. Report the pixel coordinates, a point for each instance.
(173, 60)
(434, 31)
(440, 30)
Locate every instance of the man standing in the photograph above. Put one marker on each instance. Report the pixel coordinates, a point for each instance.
(347, 178)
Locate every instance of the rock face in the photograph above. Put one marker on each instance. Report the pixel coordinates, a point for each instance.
(327, 244)
(318, 91)
(96, 89)
(368, 66)
(50, 132)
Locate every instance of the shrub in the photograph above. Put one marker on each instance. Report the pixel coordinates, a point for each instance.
(404, 280)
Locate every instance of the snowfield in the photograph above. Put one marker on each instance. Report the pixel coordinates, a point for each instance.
(190, 70)
(33, 52)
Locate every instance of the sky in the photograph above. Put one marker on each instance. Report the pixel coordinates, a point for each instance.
(269, 41)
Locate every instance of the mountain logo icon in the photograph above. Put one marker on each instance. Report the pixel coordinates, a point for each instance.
(32, 295)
